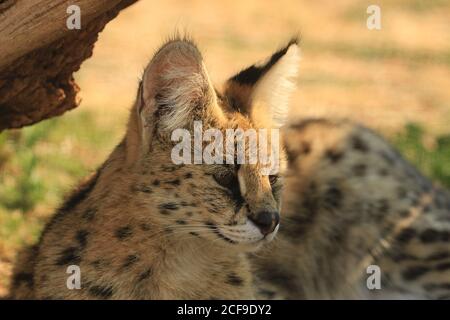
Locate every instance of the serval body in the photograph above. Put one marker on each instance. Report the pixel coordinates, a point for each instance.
(351, 204)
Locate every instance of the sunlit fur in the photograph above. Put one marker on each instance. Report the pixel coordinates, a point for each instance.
(143, 227)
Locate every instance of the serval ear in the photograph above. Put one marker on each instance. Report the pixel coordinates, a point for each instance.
(262, 91)
(175, 91)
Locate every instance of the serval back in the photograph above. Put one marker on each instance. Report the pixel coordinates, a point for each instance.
(351, 201)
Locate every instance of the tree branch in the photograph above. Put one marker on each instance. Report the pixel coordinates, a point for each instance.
(38, 55)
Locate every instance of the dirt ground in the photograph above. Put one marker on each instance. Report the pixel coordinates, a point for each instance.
(383, 78)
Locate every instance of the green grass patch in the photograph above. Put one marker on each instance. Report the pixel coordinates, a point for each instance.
(432, 160)
(40, 163)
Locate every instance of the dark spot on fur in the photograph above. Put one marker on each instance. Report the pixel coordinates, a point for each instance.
(195, 234)
(182, 222)
(333, 196)
(302, 219)
(168, 206)
(81, 237)
(281, 278)
(167, 168)
(415, 201)
(401, 192)
(305, 148)
(431, 235)
(145, 189)
(267, 294)
(406, 235)
(145, 226)
(156, 182)
(188, 175)
(103, 292)
(383, 206)
(442, 266)
(145, 275)
(359, 169)
(214, 210)
(123, 233)
(175, 182)
(414, 272)
(404, 213)
(23, 277)
(234, 279)
(89, 214)
(168, 230)
(291, 156)
(69, 256)
(438, 256)
(304, 124)
(397, 256)
(129, 261)
(189, 213)
(98, 264)
(359, 144)
(334, 155)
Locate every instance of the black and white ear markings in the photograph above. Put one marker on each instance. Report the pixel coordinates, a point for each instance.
(267, 87)
(252, 74)
(277, 85)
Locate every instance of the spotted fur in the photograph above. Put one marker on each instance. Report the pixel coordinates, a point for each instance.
(352, 201)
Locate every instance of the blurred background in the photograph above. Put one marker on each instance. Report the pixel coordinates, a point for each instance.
(395, 80)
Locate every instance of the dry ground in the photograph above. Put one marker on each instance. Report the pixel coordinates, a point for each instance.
(384, 78)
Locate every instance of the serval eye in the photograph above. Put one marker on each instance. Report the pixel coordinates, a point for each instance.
(273, 179)
(227, 180)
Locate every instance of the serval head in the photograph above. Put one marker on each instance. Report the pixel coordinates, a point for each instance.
(180, 146)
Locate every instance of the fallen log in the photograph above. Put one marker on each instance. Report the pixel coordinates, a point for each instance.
(39, 54)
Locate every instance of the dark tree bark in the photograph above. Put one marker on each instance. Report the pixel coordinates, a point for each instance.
(38, 55)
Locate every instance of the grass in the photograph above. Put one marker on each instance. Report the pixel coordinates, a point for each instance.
(38, 165)
(433, 158)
